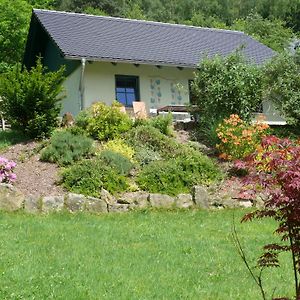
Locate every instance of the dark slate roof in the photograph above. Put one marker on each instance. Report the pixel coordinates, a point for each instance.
(117, 39)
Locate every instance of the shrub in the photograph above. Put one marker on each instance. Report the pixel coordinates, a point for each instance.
(163, 123)
(31, 99)
(120, 146)
(178, 175)
(239, 138)
(151, 138)
(7, 174)
(66, 148)
(88, 177)
(283, 86)
(277, 174)
(225, 86)
(104, 122)
(144, 155)
(162, 177)
(117, 161)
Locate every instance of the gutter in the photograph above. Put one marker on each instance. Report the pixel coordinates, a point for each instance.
(81, 84)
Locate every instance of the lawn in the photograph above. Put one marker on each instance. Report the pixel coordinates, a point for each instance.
(138, 255)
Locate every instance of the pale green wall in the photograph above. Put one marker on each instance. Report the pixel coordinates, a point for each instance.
(72, 101)
(169, 83)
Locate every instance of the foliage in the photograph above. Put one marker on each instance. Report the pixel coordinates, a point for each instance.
(121, 147)
(163, 123)
(178, 175)
(11, 137)
(206, 132)
(151, 138)
(66, 148)
(225, 86)
(31, 99)
(162, 177)
(104, 122)
(88, 177)
(144, 155)
(277, 172)
(7, 174)
(116, 160)
(283, 86)
(272, 33)
(14, 23)
(237, 138)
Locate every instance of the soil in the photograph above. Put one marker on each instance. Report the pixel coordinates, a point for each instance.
(34, 177)
(38, 178)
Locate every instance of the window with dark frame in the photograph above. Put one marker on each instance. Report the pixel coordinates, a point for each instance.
(127, 89)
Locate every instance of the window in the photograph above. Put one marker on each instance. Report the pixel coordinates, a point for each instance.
(127, 89)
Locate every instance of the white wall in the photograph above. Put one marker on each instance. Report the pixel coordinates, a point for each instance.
(158, 87)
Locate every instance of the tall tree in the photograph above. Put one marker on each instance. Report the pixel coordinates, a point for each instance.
(14, 23)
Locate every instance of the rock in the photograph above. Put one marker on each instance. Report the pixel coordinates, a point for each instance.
(245, 203)
(135, 199)
(10, 198)
(32, 204)
(107, 197)
(184, 201)
(75, 202)
(200, 197)
(161, 200)
(95, 205)
(52, 204)
(118, 207)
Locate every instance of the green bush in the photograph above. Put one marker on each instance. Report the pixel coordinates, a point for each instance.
(282, 83)
(225, 86)
(66, 148)
(104, 122)
(162, 177)
(117, 161)
(120, 146)
(178, 175)
(144, 155)
(31, 99)
(163, 123)
(88, 177)
(151, 138)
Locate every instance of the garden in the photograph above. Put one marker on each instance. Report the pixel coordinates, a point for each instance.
(102, 150)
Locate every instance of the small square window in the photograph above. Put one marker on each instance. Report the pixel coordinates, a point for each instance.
(127, 89)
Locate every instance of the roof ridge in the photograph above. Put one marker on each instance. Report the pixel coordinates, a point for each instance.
(156, 23)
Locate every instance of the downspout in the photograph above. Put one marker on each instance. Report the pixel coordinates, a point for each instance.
(81, 85)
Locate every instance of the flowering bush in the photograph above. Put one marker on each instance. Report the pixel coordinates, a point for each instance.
(6, 170)
(238, 138)
(275, 170)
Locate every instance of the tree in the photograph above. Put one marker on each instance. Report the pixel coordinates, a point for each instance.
(271, 33)
(225, 86)
(282, 85)
(14, 23)
(31, 99)
(275, 170)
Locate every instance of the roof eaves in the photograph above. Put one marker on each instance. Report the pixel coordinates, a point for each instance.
(131, 61)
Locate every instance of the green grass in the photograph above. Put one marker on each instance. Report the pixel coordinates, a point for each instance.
(139, 255)
(10, 137)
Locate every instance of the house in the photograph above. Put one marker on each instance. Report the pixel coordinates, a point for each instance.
(110, 58)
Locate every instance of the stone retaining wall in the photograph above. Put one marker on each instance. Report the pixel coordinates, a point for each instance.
(12, 200)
